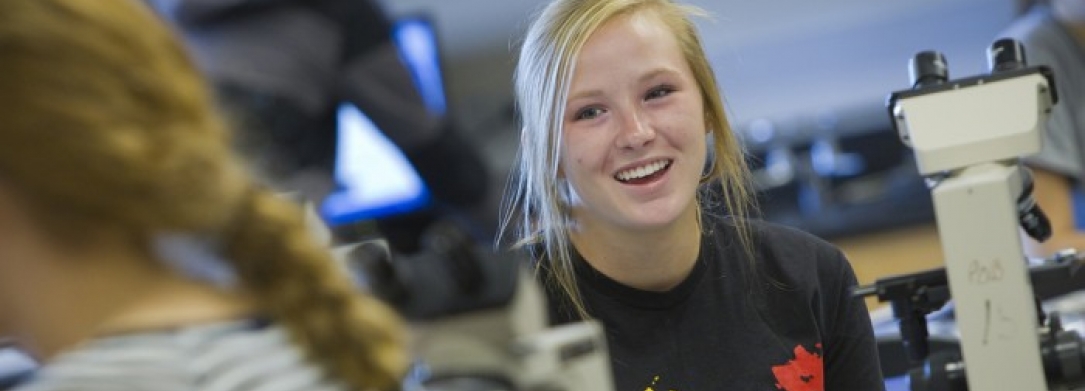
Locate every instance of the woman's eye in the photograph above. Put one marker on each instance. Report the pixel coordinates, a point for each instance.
(658, 92)
(588, 113)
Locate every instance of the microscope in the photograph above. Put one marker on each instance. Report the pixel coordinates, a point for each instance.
(479, 319)
(968, 135)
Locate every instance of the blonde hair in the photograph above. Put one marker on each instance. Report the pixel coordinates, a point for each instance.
(543, 75)
(106, 125)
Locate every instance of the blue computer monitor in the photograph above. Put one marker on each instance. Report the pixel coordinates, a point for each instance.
(375, 179)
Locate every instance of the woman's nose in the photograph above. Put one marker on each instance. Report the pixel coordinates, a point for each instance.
(635, 132)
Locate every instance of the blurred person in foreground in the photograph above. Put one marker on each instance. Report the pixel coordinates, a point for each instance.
(635, 199)
(1053, 34)
(135, 252)
(281, 69)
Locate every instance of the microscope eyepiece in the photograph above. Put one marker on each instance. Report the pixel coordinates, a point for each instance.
(928, 68)
(1006, 54)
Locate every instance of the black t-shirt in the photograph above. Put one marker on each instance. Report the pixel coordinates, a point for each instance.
(786, 324)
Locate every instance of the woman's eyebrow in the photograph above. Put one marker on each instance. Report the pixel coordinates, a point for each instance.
(662, 71)
(585, 94)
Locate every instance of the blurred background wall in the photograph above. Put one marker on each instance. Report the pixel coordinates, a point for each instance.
(805, 84)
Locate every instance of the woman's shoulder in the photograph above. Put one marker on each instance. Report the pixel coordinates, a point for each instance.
(786, 254)
(770, 238)
(778, 236)
(198, 356)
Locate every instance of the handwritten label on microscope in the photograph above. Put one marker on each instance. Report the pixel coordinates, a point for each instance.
(996, 318)
(982, 273)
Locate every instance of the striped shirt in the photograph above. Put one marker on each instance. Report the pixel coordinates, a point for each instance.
(229, 356)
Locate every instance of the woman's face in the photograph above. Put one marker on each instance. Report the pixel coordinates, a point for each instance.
(634, 145)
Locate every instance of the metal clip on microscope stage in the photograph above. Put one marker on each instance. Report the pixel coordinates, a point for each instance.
(968, 135)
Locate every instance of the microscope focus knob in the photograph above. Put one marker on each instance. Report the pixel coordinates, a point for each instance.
(1005, 55)
(928, 68)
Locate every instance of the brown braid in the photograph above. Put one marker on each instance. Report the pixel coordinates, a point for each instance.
(297, 281)
(107, 126)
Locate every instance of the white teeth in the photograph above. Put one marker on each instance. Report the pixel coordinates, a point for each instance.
(642, 171)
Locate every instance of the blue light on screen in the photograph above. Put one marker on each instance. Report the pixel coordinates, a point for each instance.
(417, 44)
(377, 180)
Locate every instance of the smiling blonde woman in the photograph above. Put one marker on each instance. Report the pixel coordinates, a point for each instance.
(632, 195)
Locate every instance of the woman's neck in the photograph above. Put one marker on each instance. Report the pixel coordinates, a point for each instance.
(176, 301)
(93, 298)
(655, 260)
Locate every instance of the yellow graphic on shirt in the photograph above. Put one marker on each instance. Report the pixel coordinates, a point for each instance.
(654, 381)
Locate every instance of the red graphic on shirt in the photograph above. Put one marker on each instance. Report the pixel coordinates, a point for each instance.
(805, 373)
